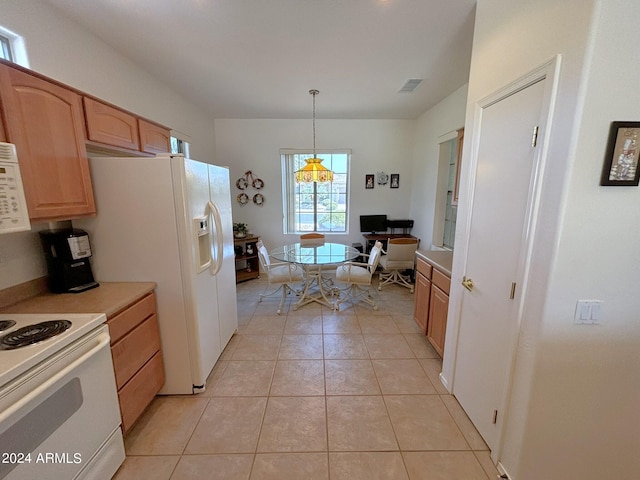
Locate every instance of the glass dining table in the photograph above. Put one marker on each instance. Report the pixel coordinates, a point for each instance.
(313, 257)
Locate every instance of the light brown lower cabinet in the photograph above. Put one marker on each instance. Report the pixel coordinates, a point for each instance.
(421, 307)
(137, 357)
(437, 326)
(431, 303)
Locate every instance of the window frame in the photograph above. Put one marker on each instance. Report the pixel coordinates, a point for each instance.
(15, 44)
(7, 51)
(180, 143)
(289, 224)
(449, 148)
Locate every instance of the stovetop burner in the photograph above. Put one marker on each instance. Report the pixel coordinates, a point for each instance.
(31, 334)
(6, 324)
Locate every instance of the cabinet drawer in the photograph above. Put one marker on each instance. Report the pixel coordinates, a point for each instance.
(127, 320)
(109, 125)
(134, 349)
(140, 390)
(441, 281)
(423, 267)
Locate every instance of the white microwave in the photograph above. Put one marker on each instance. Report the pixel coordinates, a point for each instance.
(14, 216)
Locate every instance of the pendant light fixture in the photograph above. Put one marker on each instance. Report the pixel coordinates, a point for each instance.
(314, 171)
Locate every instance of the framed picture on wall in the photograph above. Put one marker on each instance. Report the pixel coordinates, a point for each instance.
(623, 153)
(395, 180)
(368, 180)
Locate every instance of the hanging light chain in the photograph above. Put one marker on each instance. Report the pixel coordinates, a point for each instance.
(314, 171)
(314, 93)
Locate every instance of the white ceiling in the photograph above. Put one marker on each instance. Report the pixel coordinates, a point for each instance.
(260, 58)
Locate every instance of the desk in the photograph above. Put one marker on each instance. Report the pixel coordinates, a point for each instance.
(312, 258)
(372, 238)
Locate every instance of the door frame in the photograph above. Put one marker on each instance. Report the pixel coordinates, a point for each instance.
(550, 72)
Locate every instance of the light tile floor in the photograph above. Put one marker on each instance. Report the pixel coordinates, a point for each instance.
(314, 394)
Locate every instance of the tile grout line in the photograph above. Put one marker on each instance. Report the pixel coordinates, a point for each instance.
(323, 313)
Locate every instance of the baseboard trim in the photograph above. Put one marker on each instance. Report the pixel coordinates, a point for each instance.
(503, 471)
(444, 382)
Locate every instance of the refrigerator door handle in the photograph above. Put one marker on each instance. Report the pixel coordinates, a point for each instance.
(217, 241)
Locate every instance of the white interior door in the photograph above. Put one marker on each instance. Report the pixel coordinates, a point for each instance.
(497, 235)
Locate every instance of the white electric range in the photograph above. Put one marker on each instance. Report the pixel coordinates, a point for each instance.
(59, 414)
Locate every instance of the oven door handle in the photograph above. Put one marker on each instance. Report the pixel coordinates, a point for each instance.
(103, 341)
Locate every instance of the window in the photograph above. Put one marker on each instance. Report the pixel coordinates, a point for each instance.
(180, 143)
(320, 207)
(5, 50)
(451, 208)
(446, 209)
(12, 47)
(179, 146)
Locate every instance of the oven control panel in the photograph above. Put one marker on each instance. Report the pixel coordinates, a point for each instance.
(14, 216)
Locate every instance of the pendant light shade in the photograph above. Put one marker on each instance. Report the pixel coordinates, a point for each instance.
(314, 171)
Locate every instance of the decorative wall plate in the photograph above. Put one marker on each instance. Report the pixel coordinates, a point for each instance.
(243, 198)
(383, 178)
(242, 183)
(258, 184)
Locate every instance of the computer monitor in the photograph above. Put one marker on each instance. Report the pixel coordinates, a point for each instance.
(373, 223)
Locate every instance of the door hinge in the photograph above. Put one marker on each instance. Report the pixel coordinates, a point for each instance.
(534, 138)
(495, 417)
(512, 295)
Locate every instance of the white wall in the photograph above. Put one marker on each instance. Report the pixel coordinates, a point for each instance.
(587, 379)
(446, 116)
(375, 145)
(61, 49)
(573, 409)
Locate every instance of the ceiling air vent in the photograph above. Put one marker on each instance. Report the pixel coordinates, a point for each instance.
(410, 85)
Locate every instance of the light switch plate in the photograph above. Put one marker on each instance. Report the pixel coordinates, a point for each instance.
(588, 312)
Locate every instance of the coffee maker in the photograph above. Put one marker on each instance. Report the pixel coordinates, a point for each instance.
(67, 253)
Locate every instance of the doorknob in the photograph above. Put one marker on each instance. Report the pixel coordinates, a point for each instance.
(467, 283)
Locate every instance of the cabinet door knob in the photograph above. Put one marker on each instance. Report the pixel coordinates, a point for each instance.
(467, 283)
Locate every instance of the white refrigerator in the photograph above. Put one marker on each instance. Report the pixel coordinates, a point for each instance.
(167, 219)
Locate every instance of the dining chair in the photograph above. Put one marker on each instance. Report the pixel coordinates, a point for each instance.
(400, 256)
(358, 276)
(282, 274)
(314, 238)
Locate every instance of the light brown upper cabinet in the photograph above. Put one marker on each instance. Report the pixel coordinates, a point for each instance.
(46, 123)
(154, 138)
(110, 125)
